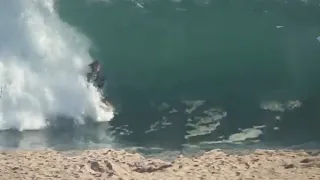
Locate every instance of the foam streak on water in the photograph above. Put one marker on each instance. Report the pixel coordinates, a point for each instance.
(42, 62)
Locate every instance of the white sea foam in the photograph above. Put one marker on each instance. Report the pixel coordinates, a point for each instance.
(42, 68)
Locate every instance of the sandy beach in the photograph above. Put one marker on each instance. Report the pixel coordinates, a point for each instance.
(112, 164)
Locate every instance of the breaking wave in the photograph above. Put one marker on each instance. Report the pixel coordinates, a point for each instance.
(43, 61)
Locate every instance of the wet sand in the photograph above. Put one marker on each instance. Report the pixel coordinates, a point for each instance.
(111, 164)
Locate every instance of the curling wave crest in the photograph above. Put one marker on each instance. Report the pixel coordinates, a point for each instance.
(42, 68)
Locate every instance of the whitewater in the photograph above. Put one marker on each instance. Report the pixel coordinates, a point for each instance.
(43, 62)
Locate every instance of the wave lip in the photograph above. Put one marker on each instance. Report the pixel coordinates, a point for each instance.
(42, 62)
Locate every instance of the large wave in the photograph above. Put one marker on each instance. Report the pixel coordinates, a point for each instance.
(42, 67)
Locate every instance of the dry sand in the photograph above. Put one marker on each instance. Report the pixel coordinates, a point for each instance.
(110, 164)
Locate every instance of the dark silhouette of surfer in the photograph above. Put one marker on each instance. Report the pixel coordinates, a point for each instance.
(95, 76)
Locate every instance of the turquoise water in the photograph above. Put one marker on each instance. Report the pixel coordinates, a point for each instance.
(199, 50)
(237, 55)
(203, 72)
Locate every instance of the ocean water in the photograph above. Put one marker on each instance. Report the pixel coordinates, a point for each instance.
(196, 74)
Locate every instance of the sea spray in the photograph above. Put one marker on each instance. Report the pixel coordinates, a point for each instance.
(42, 68)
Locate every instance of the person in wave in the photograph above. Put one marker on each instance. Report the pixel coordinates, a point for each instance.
(95, 76)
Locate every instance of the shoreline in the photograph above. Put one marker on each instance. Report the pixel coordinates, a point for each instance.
(120, 164)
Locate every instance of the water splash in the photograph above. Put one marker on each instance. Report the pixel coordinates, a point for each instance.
(42, 68)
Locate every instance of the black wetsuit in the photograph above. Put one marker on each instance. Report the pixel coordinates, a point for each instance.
(95, 76)
(100, 81)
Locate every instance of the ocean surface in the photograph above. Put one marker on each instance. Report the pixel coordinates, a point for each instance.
(181, 74)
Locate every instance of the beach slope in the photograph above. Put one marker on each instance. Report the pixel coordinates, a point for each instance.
(112, 164)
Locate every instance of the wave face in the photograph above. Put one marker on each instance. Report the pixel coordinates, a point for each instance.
(207, 70)
(196, 72)
(42, 66)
